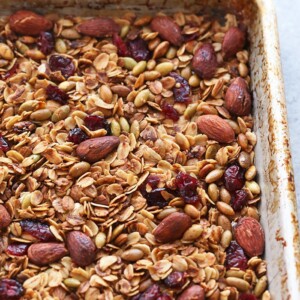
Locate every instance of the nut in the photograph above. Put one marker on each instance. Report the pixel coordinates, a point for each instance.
(82, 249)
(95, 149)
(98, 27)
(5, 218)
(172, 227)
(43, 254)
(29, 23)
(238, 98)
(204, 62)
(167, 29)
(250, 236)
(194, 292)
(215, 128)
(234, 41)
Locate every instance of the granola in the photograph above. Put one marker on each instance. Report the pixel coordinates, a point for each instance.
(126, 167)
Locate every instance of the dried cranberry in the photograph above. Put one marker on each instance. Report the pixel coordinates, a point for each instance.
(164, 297)
(120, 44)
(234, 178)
(235, 257)
(96, 122)
(181, 90)
(11, 71)
(17, 249)
(169, 111)
(239, 200)
(3, 144)
(45, 42)
(63, 64)
(56, 94)
(152, 293)
(155, 198)
(247, 297)
(77, 135)
(40, 231)
(187, 187)
(138, 49)
(175, 280)
(152, 180)
(10, 289)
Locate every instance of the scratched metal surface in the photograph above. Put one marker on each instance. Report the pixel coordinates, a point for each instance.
(278, 206)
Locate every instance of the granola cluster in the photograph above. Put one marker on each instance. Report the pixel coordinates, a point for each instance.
(126, 159)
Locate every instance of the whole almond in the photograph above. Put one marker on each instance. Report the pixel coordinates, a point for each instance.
(82, 249)
(93, 150)
(238, 98)
(234, 41)
(215, 128)
(5, 217)
(29, 23)
(194, 292)
(250, 236)
(99, 27)
(204, 62)
(42, 254)
(172, 227)
(167, 29)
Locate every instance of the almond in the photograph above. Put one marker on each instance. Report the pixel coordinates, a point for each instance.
(172, 227)
(29, 23)
(43, 254)
(204, 62)
(5, 218)
(93, 150)
(167, 29)
(250, 236)
(98, 27)
(234, 41)
(194, 292)
(82, 249)
(215, 128)
(238, 98)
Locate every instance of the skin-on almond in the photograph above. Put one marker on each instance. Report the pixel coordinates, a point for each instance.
(82, 249)
(238, 98)
(172, 227)
(29, 23)
(42, 254)
(194, 292)
(167, 29)
(215, 128)
(234, 41)
(93, 150)
(5, 218)
(250, 236)
(99, 27)
(204, 62)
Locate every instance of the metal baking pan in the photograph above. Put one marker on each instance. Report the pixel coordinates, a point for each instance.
(278, 206)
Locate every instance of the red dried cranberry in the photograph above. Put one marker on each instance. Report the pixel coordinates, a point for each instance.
(175, 280)
(3, 144)
(138, 49)
(247, 297)
(11, 71)
(10, 289)
(45, 42)
(234, 178)
(169, 111)
(56, 94)
(239, 200)
(63, 64)
(152, 293)
(181, 90)
(40, 231)
(119, 43)
(96, 122)
(77, 135)
(235, 257)
(164, 297)
(17, 249)
(187, 187)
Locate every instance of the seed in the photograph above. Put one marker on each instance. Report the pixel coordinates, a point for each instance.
(213, 192)
(60, 46)
(190, 111)
(253, 187)
(214, 175)
(151, 64)
(261, 286)
(192, 233)
(243, 141)
(243, 69)
(226, 238)
(224, 222)
(100, 240)
(61, 113)
(240, 284)
(194, 81)
(192, 211)
(250, 173)
(244, 160)
(115, 128)
(161, 49)
(129, 63)
(106, 94)
(41, 115)
(225, 195)
(171, 53)
(139, 68)
(225, 208)
(6, 52)
(235, 273)
(72, 282)
(141, 98)
(132, 254)
(22, 47)
(79, 169)
(151, 75)
(135, 128)
(70, 33)
(124, 124)
(182, 141)
(164, 68)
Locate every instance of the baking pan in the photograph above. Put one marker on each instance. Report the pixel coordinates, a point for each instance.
(273, 160)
